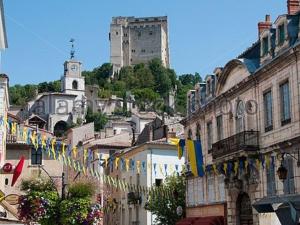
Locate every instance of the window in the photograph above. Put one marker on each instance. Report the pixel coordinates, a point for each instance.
(36, 156)
(132, 50)
(285, 103)
(143, 50)
(220, 127)
(221, 186)
(289, 183)
(75, 85)
(158, 182)
(139, 34)
(209, 135)
(193, 102)
(265, 45)
(211, 188)
(150, 33)
(268, 111)
(271, 182)
(117, 33)
(200, 190)
(240, 123)
(190, 193)
(281, 34)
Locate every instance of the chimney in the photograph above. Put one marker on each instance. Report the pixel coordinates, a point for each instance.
(266, 25)
(293, 6)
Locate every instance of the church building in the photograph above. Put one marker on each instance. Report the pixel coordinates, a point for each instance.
(57, 111)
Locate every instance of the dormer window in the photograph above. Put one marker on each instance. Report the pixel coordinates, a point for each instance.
(265, 45)
(281, 34)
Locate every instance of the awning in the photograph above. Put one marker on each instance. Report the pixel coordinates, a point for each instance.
(213, 220)
(287, 208)
(270, 204)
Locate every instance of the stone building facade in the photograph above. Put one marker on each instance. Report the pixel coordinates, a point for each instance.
(248, 112)
(152, 156)
(138, 40)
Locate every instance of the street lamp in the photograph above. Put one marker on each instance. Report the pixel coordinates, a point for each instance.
(282, 171)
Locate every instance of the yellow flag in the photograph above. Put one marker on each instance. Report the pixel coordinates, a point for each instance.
(25, 136)
(225, 168)
(160, 168)
(138, 166)
(215, 169)
(117, 162)
(106, 162)
(236, 166)
(84, 155)
(127, 164)
(53, 141)
(44, 142)
(74, 150)
(14, 128)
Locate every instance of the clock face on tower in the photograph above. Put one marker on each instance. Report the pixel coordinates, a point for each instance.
(74, 67)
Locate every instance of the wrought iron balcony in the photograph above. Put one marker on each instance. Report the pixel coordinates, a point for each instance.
(244, 141)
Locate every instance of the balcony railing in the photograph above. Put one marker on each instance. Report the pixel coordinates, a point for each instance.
(246, 141)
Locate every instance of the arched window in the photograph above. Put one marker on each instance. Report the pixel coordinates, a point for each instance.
(75, 85)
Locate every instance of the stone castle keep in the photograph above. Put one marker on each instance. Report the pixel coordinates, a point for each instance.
(138, 40)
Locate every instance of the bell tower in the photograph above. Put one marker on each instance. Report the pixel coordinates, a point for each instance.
(72, 81)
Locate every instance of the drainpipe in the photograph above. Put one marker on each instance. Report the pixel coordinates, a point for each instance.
(151, 182)
(297, 71)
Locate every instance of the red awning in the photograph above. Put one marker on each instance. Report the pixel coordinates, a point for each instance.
(212, 220)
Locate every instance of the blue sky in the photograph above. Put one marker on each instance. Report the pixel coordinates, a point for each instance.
(203, 34)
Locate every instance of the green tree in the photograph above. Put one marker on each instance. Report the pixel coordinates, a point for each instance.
(161, 77)
(144, 76)
(145, 98)
(198, 78)
(53, 86)
(187, 79)
(98, 118)
(165, 207)
(20, 95)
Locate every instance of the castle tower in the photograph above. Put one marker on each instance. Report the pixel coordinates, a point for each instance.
(138, 40)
